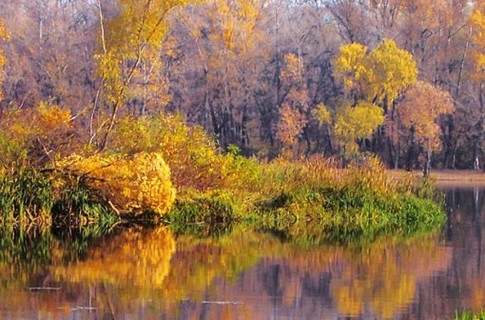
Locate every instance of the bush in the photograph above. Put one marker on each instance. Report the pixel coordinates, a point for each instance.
(32, 137)
(134, 184)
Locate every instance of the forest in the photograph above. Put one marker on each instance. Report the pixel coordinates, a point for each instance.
(402, 79)
(188, 99)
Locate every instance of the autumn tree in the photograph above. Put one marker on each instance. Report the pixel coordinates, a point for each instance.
(373, 78)
(128, 60)
(4, 35)
(353, 124)
(295, 105)
(216, 66)
(477, 23)
(378, 76)
(417, 116)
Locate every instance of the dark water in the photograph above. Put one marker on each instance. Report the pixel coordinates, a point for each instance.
(244, 274)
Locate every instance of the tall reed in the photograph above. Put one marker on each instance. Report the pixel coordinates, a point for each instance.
(25, 196)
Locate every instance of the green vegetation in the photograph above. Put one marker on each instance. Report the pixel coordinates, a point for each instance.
(465, 315)
(197, 185)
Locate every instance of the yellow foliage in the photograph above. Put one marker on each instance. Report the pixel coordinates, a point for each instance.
(350, 64)
(110, 69)
(322, 114)
(357, 122)
(290, 125)
(235, 24)
(137, 184)
(392, 70)
(41, 131)
(4, 34)
(477, 23)
(379, 75)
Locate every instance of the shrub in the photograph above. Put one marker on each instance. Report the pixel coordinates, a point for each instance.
(34, 136)
(193, 158)
(134, 184)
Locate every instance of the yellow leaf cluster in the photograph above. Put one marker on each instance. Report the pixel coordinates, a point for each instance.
(350, 65)
(376, 76)
(4, 34)
(392, 70)
(44, 129)
(477, 23)
(357, 122)
(138, 184)
(111, 71)
(236, 21)
(321, 114)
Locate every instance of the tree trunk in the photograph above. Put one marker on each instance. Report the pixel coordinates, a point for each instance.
(427, 165)
(477, 152)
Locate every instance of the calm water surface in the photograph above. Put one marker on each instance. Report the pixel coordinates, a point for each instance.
(244, 274)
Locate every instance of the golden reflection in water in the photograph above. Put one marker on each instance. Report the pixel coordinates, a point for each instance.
(134, 257)
(149, 270)
(381, 277)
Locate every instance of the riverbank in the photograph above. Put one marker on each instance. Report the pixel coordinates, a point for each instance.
(446, 178)
(311, 199)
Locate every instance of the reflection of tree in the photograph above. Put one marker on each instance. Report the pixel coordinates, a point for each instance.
(198, 262)
(243, 274)
(379, 278)
(134, 257)
(464, 284)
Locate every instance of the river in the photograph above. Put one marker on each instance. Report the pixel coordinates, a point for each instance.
(240, 273)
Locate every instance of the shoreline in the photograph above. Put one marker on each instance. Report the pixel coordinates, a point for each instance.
(447, 177)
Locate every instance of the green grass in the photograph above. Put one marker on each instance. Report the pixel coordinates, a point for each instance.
(28, 197)
(329, 204)
(284, 197)
(25, 196)
(466, 315)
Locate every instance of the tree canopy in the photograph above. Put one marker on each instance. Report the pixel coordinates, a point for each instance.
(270, 77)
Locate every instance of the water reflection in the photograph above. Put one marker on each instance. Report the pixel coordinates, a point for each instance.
(244, 274)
